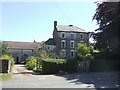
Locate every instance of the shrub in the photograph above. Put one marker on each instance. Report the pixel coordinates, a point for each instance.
(23, 59)
(88, 56)
(69, 66)
(8, 57)
(50, 66)
(57, 61)
(84, 52)
(31, 62)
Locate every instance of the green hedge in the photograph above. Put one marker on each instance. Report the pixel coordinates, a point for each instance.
(104, 65)
(70, 66)
(8, 57)
(51, 66)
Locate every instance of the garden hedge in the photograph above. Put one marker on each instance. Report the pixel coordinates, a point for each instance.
(55, 65)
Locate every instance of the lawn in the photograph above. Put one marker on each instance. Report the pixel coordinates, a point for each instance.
(5, 76)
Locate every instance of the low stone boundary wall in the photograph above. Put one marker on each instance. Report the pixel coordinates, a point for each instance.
(4, 66)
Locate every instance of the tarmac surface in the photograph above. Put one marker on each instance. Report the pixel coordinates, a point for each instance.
(23, 78)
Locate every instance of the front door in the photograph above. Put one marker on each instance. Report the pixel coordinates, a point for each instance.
(17, 60)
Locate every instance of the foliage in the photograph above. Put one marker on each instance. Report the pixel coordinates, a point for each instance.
(38, 69)
(23, 58)
(84, 52)
(57, 61)
(4, 48)
(107, 35)
(96, 51)
(9, 57)
(50, 66)
(5, 76)
(31, 62)
(42, 54)
(52, 55)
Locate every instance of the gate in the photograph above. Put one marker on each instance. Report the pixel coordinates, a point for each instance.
(83, 66)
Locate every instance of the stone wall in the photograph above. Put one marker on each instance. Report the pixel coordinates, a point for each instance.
(5, 66)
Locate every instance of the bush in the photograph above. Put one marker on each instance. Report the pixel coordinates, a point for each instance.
(38, 69)
(51, 66)
(23, 59)
(8, 57)
(88, 56)
(70, 66)
(57, 61)
(84, 52)
(31, 62)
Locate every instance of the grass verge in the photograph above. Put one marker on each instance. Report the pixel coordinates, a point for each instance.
(5, 76)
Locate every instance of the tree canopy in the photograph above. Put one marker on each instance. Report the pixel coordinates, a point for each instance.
(4, 48)
(108, 18)
(84, 52)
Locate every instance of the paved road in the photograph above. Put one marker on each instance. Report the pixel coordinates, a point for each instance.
(23, 78)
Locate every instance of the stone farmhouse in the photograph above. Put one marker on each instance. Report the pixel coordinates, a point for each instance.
(63, 43)
(65, 39)
(20, 49)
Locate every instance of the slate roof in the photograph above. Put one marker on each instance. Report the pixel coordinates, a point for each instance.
(69, 28)
(21, 45)
(50, 41)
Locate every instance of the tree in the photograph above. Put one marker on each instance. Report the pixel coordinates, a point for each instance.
(41, 53)
(4, 48)
(84, 52)
(107, 35)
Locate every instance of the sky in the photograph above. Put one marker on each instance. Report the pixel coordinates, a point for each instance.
(29, 21)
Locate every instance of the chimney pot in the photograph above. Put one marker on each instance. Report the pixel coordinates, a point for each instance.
(70, 25)
(55, 24)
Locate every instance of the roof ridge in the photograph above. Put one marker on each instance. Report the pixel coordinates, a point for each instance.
(18, 41)
(70, 28)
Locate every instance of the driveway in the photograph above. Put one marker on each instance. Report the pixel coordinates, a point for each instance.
(23, 78)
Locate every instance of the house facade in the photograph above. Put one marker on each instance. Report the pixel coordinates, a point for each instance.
(20, 49)
(66, 38)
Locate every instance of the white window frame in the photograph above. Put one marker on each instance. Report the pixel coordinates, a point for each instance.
(62, 43)
(74, 35)
(81, 41)
(82, 36)
(72, 51)
(62, 35)
(72, 42)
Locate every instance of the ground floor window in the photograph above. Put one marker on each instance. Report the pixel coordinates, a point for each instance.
(63, 53)
(72, 53)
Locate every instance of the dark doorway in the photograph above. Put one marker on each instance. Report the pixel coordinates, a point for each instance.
(17, 60)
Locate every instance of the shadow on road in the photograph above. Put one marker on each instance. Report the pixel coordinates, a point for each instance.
(99, 80)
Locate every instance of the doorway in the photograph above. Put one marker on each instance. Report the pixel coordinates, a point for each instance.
(17, 60)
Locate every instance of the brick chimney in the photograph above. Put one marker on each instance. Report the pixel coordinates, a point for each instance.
(55, 24)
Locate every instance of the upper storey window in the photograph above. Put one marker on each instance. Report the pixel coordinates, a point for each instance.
(72, 35)
(81, 36)
(63, 35)
(63, 44)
